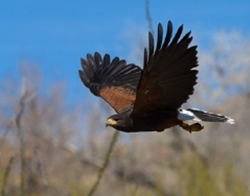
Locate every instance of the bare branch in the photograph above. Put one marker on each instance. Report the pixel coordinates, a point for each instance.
(149, 18)
(105, 164)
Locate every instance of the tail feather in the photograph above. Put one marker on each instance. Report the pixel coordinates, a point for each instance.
(201, 115)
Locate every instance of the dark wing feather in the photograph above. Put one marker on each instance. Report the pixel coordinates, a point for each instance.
(116, 82)
(168, 77)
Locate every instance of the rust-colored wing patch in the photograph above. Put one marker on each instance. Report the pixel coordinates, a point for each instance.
(115, 81)
(118, 97)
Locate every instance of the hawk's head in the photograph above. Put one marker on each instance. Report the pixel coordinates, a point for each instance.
(120, 122)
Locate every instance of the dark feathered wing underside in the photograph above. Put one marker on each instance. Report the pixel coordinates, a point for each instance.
(168, 77)
(114, 81)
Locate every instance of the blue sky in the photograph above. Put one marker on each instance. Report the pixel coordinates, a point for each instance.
(53, 35)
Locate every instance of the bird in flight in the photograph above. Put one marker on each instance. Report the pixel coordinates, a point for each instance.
(149, 99)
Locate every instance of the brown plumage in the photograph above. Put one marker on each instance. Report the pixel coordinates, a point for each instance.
(149, 99)
(114, 81)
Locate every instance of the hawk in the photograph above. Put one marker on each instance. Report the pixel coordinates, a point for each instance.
(149, 99)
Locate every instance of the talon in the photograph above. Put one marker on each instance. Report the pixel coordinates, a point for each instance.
(191, 128)
(197, 127)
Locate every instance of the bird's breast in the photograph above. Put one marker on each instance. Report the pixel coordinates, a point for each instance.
(158, 120)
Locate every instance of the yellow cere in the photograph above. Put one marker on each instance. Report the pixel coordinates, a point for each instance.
(112, 122)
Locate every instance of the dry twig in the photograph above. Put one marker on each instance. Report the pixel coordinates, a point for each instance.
(105, 164)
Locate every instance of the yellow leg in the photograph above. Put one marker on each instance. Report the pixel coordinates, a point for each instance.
(190, 128)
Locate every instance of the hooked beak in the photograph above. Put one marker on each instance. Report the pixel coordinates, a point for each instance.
(110, 122)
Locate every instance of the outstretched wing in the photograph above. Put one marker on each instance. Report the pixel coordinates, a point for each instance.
(168, 77)
(115, 81)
